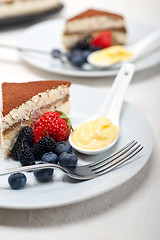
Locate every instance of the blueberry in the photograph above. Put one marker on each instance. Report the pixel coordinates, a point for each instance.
(56, 53)
(50, 157)
(68, 159)
(17, 180)
(76, 57)
(77, 60)
(86, 53)
(72, 53)
(61, 147)
(43, 175)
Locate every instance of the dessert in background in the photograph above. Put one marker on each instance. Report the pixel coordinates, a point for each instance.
(91, 24)
(14, 8)
(21, 99)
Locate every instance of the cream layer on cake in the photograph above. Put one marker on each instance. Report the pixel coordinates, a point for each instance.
(91, 23)
(11, 8)
(50, 100)
(95, 23)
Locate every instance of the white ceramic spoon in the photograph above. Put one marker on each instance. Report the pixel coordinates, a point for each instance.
(137, 49)
(112, 106)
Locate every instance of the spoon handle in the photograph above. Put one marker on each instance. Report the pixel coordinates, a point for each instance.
(112, 106)
(146, 43)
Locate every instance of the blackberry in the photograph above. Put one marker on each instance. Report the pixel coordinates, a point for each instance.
(19, 145)
(26, 156)
(26, 136)
(44, 145)
(82, 44)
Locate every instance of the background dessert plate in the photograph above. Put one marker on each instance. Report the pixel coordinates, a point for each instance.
(21, 19)
(47, 36)
(63, 190)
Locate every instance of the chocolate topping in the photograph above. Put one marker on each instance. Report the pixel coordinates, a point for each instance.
(92, 13)
(14, 94)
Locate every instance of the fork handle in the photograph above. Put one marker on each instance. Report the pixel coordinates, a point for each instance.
(31, 168)
(22, 49)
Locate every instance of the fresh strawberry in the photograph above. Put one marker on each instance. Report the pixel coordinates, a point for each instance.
(103, 40)
(55, 125)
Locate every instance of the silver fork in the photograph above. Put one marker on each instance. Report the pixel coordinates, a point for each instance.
(91, 170)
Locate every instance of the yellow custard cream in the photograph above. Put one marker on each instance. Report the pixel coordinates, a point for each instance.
(112, 55)
(95, 134)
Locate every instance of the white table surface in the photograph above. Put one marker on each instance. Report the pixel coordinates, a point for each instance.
(131, 211)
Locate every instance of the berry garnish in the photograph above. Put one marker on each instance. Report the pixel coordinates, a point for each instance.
(15, 150)
(43, 175)
(44, 145)
(50, 157)
(62, 146)
(27, 134)
(76, 58)
(86, 53)
(17, 180)
(103, 40)
(82, 44)
(56, 53)
(55, 124)
(94, 48)
(26, 155)
(25, 137)
(68, 159)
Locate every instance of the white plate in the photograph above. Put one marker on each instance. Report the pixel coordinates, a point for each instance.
(63, 190)
(47, 36)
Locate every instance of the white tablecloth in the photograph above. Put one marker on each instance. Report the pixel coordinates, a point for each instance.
(131, 211)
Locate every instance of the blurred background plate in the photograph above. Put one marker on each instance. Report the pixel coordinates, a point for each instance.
(47, 36)
(14, 21)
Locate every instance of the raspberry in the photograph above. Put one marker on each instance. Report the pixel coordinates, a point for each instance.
(43, 146)
(55, 124)
(103, 40)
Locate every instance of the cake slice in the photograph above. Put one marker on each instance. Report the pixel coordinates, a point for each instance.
(21, 99)
(91, 23)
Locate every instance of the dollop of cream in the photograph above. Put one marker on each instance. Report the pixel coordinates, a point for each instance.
(95, 134)
(112, 55)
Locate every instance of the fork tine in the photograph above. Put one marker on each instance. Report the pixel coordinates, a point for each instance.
(112, 159)
(117, 162)
(114, 155)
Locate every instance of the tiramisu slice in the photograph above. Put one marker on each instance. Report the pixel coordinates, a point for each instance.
(20, 100)
(13, 8)
(91, 23)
